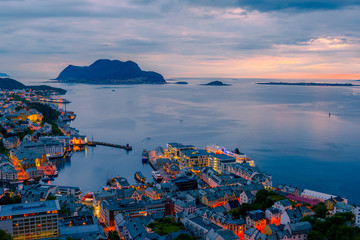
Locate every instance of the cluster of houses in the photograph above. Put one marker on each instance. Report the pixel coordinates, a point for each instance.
(206, 187)
(28, 157)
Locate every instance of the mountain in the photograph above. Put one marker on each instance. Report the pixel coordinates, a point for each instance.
(106, 71)
(12, 84)
(3, 75)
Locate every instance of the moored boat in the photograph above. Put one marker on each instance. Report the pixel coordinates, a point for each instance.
(157, 176)
(47, 178)
(145, 156)
(140, 177)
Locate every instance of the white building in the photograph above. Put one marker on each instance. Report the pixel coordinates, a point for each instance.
(318, 195)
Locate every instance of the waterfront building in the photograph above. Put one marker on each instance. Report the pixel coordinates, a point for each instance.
(219, 162)
(173, 149)
(30, 220)
(78, 140)
(194, 158)
(319, 196)
(298, 199)
(288, 189)
(341, 207)
(120, 183)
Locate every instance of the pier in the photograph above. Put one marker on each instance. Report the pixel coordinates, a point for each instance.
(126, 147)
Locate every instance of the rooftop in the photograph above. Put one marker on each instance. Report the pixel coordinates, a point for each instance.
(27, 208)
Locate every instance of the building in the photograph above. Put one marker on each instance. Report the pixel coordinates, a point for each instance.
(299, 230)
(184, 183)
(129, 209)
(357, 216)
(7, 171)
(225, 234)
(30, 220)
(283, 205)
(219, 162)
(11, 142)
(273, 215)
(319, 196)
(194, 158)
(174, 149)
(256, 219)
(199, 226)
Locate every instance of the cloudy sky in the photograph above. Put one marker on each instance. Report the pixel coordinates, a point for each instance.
(184, 38)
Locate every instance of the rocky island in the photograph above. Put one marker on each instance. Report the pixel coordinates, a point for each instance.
(106, 71)
(12, 84)
(216, 83)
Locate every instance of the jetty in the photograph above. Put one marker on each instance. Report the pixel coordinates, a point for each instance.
(127, 147)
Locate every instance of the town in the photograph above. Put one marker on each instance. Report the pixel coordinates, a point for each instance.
(212, 193)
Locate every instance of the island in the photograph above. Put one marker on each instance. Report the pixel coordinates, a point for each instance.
(3, 75)
(105, 71)
(216, 83)
(12, 84)
(181, 83)
(310, 84)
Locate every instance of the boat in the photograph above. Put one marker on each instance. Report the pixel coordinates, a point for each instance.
(157, 176)
(69, 116)
(47, 179)
(56, 173)
(140, 177)
(88, 197)
(145, 156)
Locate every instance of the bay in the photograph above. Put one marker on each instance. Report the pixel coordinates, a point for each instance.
(287, 130)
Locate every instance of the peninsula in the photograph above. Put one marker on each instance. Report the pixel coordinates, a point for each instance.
(106, 71)
(310, 84)
(3, 75)
(12, 84)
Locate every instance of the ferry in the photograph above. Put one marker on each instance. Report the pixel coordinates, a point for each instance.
(145, 156)
(140, 177)
(157, 176)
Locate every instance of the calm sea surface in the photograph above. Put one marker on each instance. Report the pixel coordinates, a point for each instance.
(285, 129)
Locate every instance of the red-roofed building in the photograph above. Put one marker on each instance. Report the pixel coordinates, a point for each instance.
(297, 199)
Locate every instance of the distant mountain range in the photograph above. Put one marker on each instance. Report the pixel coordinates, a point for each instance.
(106, 71)
(3, 75)
(12, 84)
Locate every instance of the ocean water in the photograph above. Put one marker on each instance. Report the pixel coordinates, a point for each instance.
(287, 130)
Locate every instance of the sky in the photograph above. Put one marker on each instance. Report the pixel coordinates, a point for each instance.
(316, 39)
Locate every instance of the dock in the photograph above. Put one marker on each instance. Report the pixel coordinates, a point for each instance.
(127, 147)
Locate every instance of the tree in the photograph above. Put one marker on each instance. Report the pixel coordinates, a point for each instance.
(320, 210)
(16, 199)
(113, 235)
(315, 235)
(184, 236)
(4, 235)
(50, 197)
